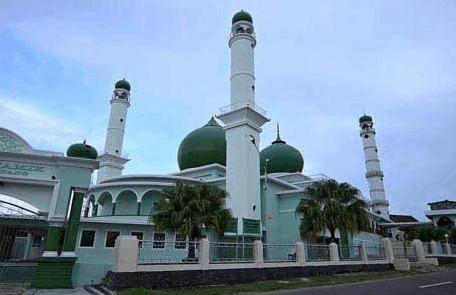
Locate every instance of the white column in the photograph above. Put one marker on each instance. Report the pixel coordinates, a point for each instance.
(126, 252)
(258, 253)
(204, 253)
(364, 253)
(386, 244)
(334, 252)
(300, 256)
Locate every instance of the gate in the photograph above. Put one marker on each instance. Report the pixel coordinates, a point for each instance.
(21, 243)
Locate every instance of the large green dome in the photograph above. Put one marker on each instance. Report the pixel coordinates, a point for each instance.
(123, 84)
(82, 150)
(242, 15)
(203, 146)
(281, 158)
(365, 118)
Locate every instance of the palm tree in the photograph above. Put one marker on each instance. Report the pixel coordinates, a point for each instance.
(331, 205)
(185, 209)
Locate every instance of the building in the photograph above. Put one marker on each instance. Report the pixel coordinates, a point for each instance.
(442, 213)
(264, 187)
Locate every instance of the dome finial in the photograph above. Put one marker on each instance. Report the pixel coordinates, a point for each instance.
(278, 131)
(278, 139)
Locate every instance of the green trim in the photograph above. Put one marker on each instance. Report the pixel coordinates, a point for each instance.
(95, 211)
(54, 273)
(73, 222)
(23, 222)
(138, 211)
(113, 209)
(53, 238)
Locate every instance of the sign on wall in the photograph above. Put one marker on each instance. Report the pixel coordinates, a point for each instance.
(26, 170)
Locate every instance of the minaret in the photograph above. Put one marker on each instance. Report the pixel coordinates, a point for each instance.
(374, 173)
(243, 121)
(111, 162)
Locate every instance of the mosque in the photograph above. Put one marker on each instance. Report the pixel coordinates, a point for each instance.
(264, 187)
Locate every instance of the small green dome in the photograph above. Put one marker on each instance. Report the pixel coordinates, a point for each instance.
(82, 150)
(203, 146)
(242, 15)
(123, 84)
(281, 158)
(365, 118)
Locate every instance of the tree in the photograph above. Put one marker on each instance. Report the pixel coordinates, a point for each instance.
(330, 205)
(186, 209)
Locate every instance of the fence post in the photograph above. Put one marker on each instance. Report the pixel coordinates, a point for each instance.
(300, 256)
(434, 247)
(334, 252)
(386, 244)
(204, 253)
(126, 254)
(448, 248)
(258, 253)
(364, 252)
(419, 250)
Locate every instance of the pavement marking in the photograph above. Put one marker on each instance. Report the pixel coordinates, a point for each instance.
(438, 284)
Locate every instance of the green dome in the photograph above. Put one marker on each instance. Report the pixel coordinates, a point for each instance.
(365, 118)
(242, 15)
(123, 84)
(203, 146)
(282, 158)
(82, 150)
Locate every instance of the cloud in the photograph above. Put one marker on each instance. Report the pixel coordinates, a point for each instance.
(38, 126)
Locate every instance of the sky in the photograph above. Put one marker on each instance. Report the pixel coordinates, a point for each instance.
(319, 65)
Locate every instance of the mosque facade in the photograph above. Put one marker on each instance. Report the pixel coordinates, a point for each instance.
(264, 187)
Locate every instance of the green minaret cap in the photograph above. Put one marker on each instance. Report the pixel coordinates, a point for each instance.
(242, 15)
(365, 118)
(123, 84)
(82, 150)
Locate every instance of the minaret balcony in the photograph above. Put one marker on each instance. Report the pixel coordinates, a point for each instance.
(242, 112)
(375, 173)
(242, 104)
(364, 131)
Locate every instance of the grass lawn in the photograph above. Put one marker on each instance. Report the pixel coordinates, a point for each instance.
(294, 283)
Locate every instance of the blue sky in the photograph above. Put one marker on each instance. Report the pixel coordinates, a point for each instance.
(318, 64)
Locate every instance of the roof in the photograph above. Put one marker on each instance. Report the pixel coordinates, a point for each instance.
(403, 218)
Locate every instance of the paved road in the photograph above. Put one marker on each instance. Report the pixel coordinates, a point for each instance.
(441, 283)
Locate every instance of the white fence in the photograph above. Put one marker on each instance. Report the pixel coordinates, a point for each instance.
(134, 255)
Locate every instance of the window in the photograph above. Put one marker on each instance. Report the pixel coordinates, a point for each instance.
(180, 242)
(159, 241)
(111, 237)
(87, 238)
(139, 235)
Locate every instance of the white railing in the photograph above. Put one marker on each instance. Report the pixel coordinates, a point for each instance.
(375, 252)
(350, 253)
(317, 253)
(279, 253)
(167, 252)
(230, 252)
(240, 105)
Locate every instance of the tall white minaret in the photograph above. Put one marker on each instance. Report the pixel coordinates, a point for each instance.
(243, 121)
(374, 173)
(112, 162)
